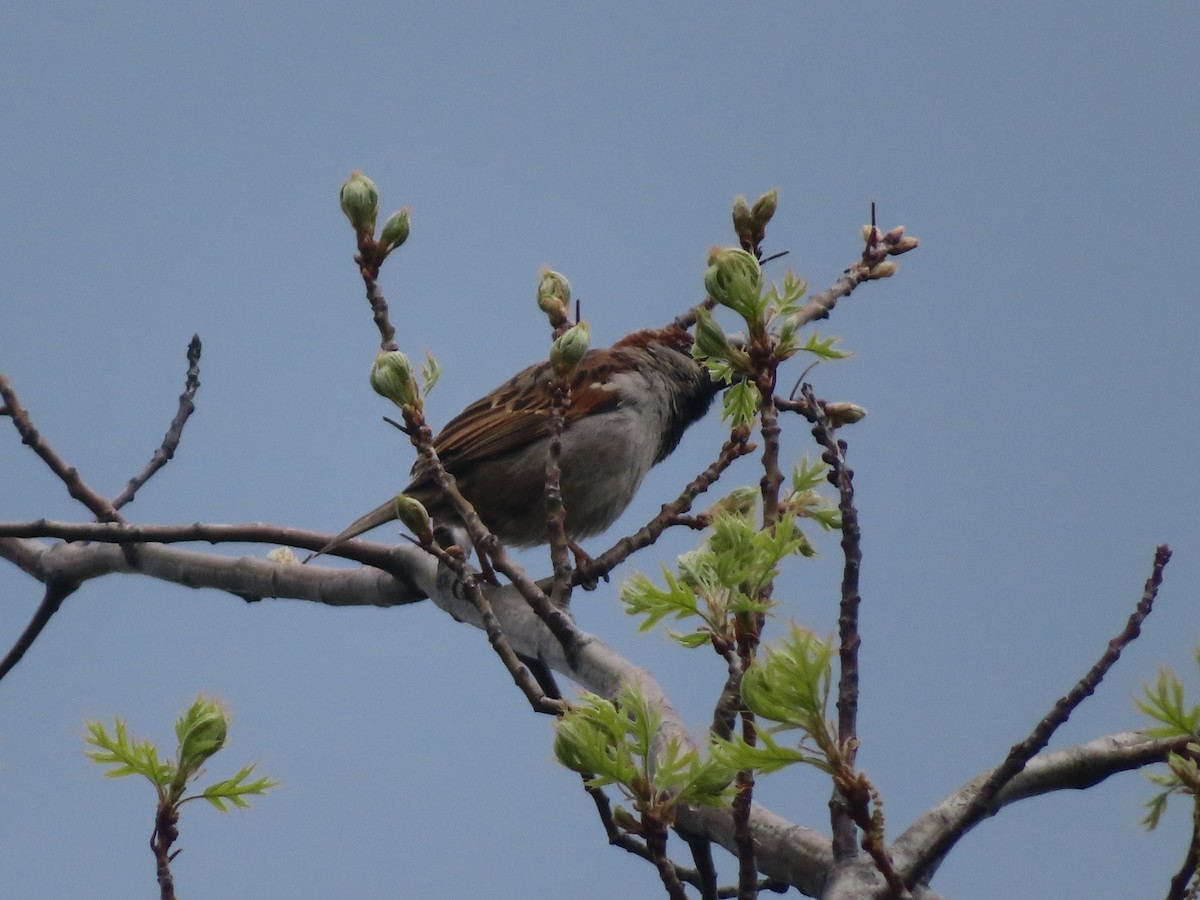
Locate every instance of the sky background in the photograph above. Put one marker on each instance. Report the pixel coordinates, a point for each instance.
(1030, 376)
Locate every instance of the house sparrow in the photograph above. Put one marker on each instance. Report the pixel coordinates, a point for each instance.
(629, 406)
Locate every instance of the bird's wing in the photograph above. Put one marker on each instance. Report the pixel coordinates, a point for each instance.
(513, 416)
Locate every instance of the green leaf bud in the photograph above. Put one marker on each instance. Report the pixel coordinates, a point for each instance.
(569, 348)
(360, 202)
(413, 516)
(734, 279)
(553, 294)
(842, 413)
(201, 733)
(740, 502)
(392, 377)
(395, 231)
(710, 338)
(764, 209)
(743, 221)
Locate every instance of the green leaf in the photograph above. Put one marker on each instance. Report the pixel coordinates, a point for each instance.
(235, 790)
(127, 757)
(1155, 807)
(765, 757)
(641, 597)
(430, 373)
(789, 683)
(741, 403)
(808, 475)
(824, 349)
(1164, 703)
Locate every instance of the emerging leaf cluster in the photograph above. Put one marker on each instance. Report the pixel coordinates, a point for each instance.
(770, 312)
(200, 733)
(613, 744)
(805, 502)
(1164, 704)
(788, 685)
(719, 581)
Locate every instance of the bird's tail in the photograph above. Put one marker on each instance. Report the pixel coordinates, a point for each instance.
(385, 512)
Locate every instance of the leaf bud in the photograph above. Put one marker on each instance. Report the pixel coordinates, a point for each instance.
(842, 413)
(741, 501)
(710, 338)
(764, 209)
(360, 202)
(569, 348)
(392, 377)
(743, 221)
(394, 232)
(882, 270)
(554, 294)
(734, 279)
(413, 516)
(201, 732)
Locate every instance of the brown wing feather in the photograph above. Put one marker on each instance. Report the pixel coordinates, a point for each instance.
(512, 417)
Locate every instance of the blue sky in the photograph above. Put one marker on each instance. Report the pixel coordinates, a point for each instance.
(1030, 374)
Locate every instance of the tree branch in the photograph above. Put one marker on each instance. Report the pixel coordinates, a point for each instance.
(1074, 768)
(982, 800)
(69, 475)
(170, 443)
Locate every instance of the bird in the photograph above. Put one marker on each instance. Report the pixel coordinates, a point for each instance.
(628, 408)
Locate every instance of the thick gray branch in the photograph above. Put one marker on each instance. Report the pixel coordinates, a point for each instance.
(786, 851)
(1075, 768)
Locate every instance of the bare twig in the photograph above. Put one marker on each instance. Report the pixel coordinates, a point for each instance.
(366, 552)
(56, 593)
(521, 676)
(624, 840)
(702, 855)
(1185, 878)
(556, 515)
(171, 441)
(1020, 754)
(164, 835)
(878, 248)
(368, 259)
(656, 843)
(76, 487)
(842, 477)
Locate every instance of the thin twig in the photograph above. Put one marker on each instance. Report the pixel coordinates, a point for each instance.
(170, 442)
(1185, 878)
(521, 676)
(656, 843)
(366, 552)
(99, 506)
(842, 477)
(627, 842)
(556, 514)
(878, 248)
(164, 835)
(368, 267)
(701, 848)
(56, 593)
(981, 805)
